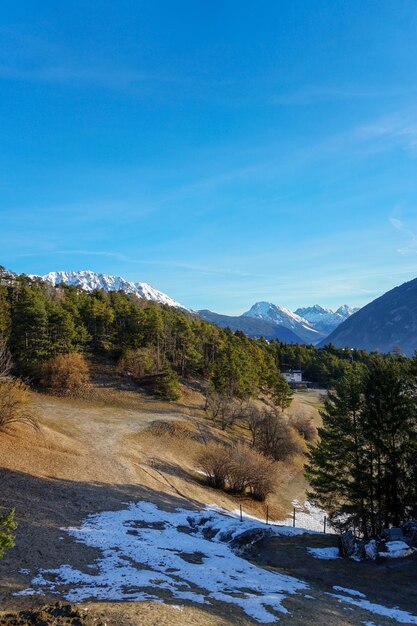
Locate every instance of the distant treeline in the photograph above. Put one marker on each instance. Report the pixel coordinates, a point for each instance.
(41, 321)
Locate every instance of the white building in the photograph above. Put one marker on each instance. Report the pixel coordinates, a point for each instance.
(293, 376)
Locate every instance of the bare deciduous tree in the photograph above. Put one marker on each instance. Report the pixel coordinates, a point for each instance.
(224, 410)
(272, 434)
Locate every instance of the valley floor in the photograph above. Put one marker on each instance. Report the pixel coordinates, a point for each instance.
(97, 455)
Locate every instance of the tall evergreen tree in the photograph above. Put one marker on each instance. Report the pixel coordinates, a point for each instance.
(363, 470)
(335, 468)
(29, 334)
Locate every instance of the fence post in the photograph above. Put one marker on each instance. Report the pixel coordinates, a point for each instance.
(293, 517)
(325, 523)
(241, 513)
(267, 515)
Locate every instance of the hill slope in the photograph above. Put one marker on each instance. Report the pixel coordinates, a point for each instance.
(388, 321)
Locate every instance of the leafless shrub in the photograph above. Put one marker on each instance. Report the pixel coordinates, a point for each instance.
(214, 460)
(253, 418)
(273, 435)
(15, 404)
(304, 425)
(250, 472)
(261, 474)
(224, 410)
(238, 469)
(65, 372)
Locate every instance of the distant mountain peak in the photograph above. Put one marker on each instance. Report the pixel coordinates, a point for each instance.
(89, 281)
(323, 319)
(282, 316)
(346, 310)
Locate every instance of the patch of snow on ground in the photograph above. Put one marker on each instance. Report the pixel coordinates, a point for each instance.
(151, 554)
(402, 617)
(309, 517)
(280, 527)
(326, 554)
(396, 550)
(351, 592)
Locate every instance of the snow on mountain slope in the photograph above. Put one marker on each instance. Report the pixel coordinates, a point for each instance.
(284, 317)
(89, 281)
(325, 320)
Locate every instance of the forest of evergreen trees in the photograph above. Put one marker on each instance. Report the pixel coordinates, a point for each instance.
(41, 321)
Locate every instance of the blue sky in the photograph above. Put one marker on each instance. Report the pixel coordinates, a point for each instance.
(225, 152)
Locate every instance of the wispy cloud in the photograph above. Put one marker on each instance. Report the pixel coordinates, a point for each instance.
(399, 129)
(411, 246)
(71, 74)
(195, 268)
(330, 93)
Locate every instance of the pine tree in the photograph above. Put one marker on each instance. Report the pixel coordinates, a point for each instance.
(363, 471)
(282, 394)
(390, 424)
(335, 468)
(7, 527)
(167, 385)
(29, 337)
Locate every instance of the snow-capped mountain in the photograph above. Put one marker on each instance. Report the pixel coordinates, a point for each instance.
(284, 317)
(325, 320)
(89, 281)
(251, 326)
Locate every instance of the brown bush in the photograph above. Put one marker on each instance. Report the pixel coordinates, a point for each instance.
(273, 435)
(304, 425)
(15, 404)
(65, 372)
(177, 429)
(214, 460)
(238, 469)
(250, 472)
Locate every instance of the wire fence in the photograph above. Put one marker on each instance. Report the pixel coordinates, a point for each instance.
(304, 515)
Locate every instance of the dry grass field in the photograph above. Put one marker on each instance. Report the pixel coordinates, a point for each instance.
(118, 445)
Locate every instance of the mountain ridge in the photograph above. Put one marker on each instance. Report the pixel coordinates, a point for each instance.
(251, 326)
(385, 323)
(323, 319)
(282, 316)
(89, 281)
(305, 325)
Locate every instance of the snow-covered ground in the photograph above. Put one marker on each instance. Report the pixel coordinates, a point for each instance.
(358, 599)
(396, 550)
(326, 554)
(148, 553)
(309, 517)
